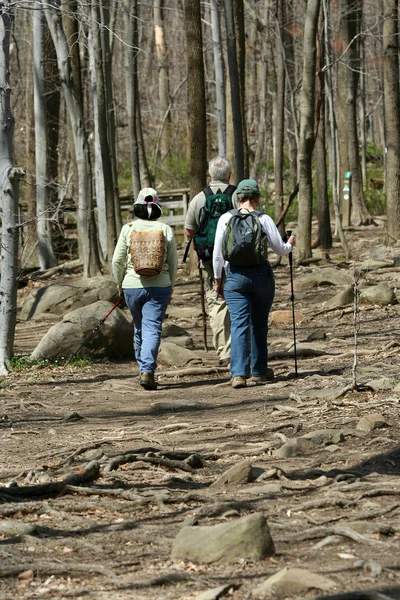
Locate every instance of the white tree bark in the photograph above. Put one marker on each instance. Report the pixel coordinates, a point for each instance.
(9, 178)
(219, 76)
(47, 257)
(86, 224)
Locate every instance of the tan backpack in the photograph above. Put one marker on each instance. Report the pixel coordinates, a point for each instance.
(147, 252)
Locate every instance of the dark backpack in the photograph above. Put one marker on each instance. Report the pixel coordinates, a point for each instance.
(244, 243)
(216, 205)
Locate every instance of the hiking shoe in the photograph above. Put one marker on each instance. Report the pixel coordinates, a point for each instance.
(238, 382)
(264, 377)
(147, 381)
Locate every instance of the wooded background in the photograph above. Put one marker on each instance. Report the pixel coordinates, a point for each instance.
(114, 95)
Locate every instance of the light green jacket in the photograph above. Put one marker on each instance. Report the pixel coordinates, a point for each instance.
(122, 268)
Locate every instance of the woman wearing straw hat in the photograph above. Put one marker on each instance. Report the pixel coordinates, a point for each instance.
(144, 265)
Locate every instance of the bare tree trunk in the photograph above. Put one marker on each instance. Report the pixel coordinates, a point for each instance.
(333, 136)
(324, 222)
(219, 76)
(307, 109)
(101, 131)
(363, 134)
(238, 10)
(132, 100)
(280, 110)
(196, 96)
(235, 91)
(350, 19)
(86, 223)
(9, 179)
(163, 77)
(392, 113)
(47, 257)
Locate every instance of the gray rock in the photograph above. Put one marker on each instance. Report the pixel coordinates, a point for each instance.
(216, 593)
(261, 490)
(246, 538)
(172, 330)
(113, 339)
(184, 341)
(293, 447)
(341, 299)
(173, 355)
(62, 299)
(378, 294)
(325, 436)
(371, 422)
(328, 276)
(397, 388)
(237, 475)
(183, 312)
(321, 392)
(380, 385)
(290, 582)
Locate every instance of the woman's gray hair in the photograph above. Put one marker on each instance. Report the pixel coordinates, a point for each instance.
(220, 168)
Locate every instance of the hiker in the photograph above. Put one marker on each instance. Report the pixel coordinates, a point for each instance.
(220, 169)
(241, 246)
(144, 265)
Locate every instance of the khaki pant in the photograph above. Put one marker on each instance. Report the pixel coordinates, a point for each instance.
(218, 313)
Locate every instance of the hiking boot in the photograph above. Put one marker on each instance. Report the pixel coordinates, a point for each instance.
(238, 382)
(147, 381)
(268, 376)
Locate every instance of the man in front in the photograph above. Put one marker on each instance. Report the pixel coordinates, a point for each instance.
(220, 169)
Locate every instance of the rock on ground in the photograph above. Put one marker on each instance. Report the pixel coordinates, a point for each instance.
(62, 299)
(290, 582)
(247, 538)
(113, 339)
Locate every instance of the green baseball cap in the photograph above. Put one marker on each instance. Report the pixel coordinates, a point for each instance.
(248, 186)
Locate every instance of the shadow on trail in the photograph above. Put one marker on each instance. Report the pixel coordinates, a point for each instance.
(387, 463)
(392, 593)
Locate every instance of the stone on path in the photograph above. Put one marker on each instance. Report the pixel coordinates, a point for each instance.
(172, 355)
(371, 422)
(378, 294)
(247, 538)
(172, 330)
(59, 299)
(328, 276)
(237, 475)
(284, 317)
(380, 385)
(291, 582)
(293, 447)
(113, 339)
(183, 312)
(343, 298)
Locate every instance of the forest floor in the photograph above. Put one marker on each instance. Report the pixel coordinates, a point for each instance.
(333, 508)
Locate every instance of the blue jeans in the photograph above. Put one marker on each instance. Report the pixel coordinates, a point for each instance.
(147, 307)
(249, 293)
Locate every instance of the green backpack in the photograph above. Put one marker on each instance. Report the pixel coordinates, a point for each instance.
(216, 205)
(244, 243)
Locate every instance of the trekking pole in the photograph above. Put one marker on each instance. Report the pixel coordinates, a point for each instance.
(287, 236)
(203, 310)
(91, 334)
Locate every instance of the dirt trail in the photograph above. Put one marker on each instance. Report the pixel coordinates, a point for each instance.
(333, 508)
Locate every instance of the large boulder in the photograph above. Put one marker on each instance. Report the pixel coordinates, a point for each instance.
(61, 298)
(113, 339)
(247, 538)
(326, 276)
(378, 294)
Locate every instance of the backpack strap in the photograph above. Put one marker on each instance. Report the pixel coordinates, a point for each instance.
(187, 250)
(207, 191)
(230, 190)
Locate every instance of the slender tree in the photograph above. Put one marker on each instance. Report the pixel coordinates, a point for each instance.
(219, 70)
(392, 114)
(163, 75)
(9, 179)
(86, 224)
(196, 96)
(307, 111)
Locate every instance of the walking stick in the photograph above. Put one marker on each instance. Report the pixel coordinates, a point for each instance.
(287, 236)
(203, 310)
(91, 334)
